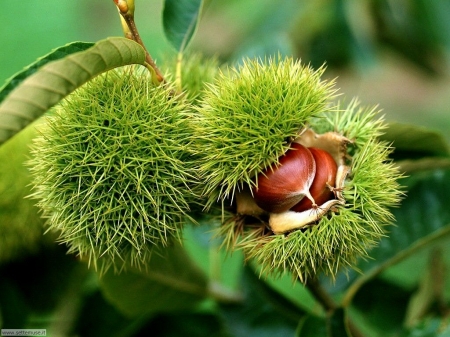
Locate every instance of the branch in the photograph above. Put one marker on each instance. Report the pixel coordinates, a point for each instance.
(321, 295)
(328, 303)
(126, 10)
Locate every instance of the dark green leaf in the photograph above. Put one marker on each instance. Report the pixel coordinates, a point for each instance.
(334, 43)
(413, 274)
(412, 142)
(98, 318)
(422, 220)
(337, 323)
(430, 289)
(334, 325)
(264, 312)
(413, 31)
(185, 324)
(410, 166)
(180, 20)
(382, 306)
(51, 263)
(313, 326)
(14, 310)
(54, 55)
(46, 87)
(171, 282)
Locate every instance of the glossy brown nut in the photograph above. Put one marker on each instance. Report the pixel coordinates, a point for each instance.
(282, 186)
(324, 181)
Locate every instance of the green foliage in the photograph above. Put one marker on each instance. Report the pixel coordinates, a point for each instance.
(196, 71)
(111, 168)
(412, 142)
(170, 282)
(46, 87)
(118, 164)
(54, 55)
(21, 228)
(180, 20)
(246, 118)
(261, 313)
(423, 220)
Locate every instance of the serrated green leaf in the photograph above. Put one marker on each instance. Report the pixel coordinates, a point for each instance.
(171, 282)
(54, 55)
(180, 20)
(46, 87)
(411, 141)
(422, 220)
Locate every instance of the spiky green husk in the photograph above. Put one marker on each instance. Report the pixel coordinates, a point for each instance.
(111, 168)
(196, 71)
(339, 239)
(247, 117)
(21, 227)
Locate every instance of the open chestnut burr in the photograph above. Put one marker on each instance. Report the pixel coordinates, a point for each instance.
(303, 185)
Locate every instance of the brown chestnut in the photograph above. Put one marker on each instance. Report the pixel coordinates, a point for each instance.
(324, 181)
(284, 184)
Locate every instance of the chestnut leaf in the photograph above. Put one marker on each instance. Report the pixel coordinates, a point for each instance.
(422, 220)
(54, 55)
(51, 83)
(180, 20)
(170, 282)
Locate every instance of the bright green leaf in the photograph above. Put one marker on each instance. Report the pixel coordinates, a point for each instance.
(54, 55)
(45, 88)
(204, 249)
(170, 282)
(180, 20)
(422, 220)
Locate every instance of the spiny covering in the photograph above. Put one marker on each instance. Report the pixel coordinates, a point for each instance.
(111, 168)
(339, 239)
(21, 227)
(196, 71)
(246, 118)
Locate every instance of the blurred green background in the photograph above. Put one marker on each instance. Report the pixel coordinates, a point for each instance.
(394, 53)
(391, 53)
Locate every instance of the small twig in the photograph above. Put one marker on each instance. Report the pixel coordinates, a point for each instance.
(224, 295)
(321, 295)
(328, 303)
(126, 10)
